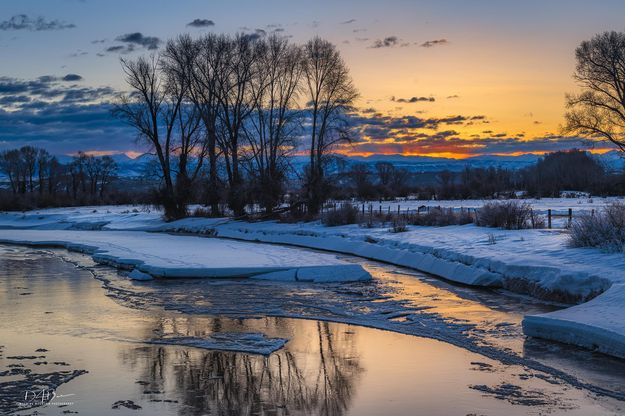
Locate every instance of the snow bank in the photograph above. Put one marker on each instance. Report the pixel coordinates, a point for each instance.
(535, 262)
(598, 324)
(169, 256)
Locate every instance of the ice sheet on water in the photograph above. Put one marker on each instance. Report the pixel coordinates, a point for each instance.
(247, 342)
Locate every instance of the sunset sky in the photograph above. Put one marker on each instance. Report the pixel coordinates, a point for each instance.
(437, 78)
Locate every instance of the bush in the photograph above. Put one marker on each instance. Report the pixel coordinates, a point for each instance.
(440, 217)
(510, 215)
(344, 215)
(398, 226)
(605, 230)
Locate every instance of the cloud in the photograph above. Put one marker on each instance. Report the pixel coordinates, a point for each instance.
(347, 22)
(387, 42)
(120, 48)
(449, 97)
(432, 43)
(60, 116)
(48, 90)
(450, 141)
(72, 77)
(201, 23)
(24, 22)
(413, 99)
(138, 39)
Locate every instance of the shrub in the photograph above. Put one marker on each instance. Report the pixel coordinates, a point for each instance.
(201, 212)
(343, 215)
(440, 217)
(398, 226)
(605, 229)
(511, 215)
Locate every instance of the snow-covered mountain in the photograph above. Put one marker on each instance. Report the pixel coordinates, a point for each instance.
(613, 161)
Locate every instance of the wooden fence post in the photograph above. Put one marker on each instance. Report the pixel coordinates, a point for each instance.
(570, 216)
(549, 218)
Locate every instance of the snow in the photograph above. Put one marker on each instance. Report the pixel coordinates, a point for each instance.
(135, 274)
(597, 324)
(535, 262)
(170, 256)
(251, 343)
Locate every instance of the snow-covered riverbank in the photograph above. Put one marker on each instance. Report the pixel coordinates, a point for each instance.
(534, 262)
(170, 256)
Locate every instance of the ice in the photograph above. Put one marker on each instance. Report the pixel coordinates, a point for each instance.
(251, 343)
(139, 275)
(171, 256)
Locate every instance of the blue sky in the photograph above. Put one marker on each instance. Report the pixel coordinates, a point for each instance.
(509, 62)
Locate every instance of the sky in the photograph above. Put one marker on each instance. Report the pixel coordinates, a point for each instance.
(436, 78)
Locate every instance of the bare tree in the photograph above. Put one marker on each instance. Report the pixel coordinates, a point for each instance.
(190, 147)
(235, 103)
(274, 124)
(599, 109)
(108, 169)
(208, 59)
(330, 95)
(12, 166)
(43, 160)
(29, 158)
(152, 108)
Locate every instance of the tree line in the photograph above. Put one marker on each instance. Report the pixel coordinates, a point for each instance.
(223, 113)
(37, 178)
(573, 170)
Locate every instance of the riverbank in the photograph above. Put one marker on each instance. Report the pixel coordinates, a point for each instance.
(534, 262)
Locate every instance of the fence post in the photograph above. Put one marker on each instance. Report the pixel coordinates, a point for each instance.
(570, 216)
(398, 210)
(549, 218)
(380, 210)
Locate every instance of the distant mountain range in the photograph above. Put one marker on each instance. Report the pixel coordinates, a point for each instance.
(419, 164)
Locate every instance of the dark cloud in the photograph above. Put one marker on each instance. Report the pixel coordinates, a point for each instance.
(120, 48)
(139, 39)
(387, 42)
(449, 97)
(451, 142)
(78, 53)
(59, 115)
(347, 22)
(63, 128)
(46, 90)
(201, 23)
(413, 99)
(432, 43)
(257, 34)
(72, 77)
(24, 22)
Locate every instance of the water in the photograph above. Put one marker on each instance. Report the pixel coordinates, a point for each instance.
(104, 326)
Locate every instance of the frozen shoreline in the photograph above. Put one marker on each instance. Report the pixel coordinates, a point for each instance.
(534, 262)
(169, 256)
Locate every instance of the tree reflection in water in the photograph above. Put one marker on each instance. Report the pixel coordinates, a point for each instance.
(315, 373)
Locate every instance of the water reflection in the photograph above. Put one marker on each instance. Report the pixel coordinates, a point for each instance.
(325, 368)
(316, 373)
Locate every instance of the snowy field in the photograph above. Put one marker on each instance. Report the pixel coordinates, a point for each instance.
(535, 262)
(541, 205)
